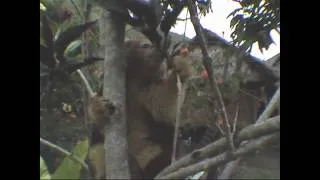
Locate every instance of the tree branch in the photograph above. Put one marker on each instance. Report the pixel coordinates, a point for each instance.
(86, 83)
(207, 64)
(269, 126)
(274, 102)
(65, 152)
(116, 146)
(224, 157)
(180, 99)
(272, 105)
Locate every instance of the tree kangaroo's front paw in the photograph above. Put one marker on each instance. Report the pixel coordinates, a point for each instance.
(108, 105)
(100, 110)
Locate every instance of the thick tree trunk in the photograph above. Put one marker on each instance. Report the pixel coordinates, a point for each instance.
(112, 32)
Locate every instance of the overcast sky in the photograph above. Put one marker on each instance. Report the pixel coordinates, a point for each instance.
(218, 23)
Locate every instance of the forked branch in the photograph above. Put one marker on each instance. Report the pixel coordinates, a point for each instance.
(272, 105)
(224, 157)
(271, 125)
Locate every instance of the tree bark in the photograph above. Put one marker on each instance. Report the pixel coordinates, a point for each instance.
(116, 146)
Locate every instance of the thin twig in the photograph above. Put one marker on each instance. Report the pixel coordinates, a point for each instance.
(85, 51)
(185, 25)
(207, 63)
(180, 98)
(235, 119)
(187, 18)
(219, 128)
(251, 95)
(181, 94)
(65, 152)
(86, 83)
(180, 19)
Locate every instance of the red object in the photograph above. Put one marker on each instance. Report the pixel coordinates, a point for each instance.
(204, 74)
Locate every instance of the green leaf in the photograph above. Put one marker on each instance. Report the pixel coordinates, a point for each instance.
(74, 48)
(256, 2)
(235, 20)
(233, 35)
(234, 12)
(245, 3)
(71, 34)
(246, 45)
(42, 7)
(69, 168)
(264, 40)
(44, 173)
(240, 37)
(240, 27)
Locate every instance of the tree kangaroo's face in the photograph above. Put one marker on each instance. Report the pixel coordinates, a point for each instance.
(145, 61)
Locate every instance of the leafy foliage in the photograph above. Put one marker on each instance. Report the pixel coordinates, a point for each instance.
(65, 38)
(69, 168)
(52, 54)
(44, 173)
(58, 52)
(204, 6)
(60, 56)
(151, 16)
(253, 21)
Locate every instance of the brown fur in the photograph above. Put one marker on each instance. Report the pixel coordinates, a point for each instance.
(99, 110)
(151, 107)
